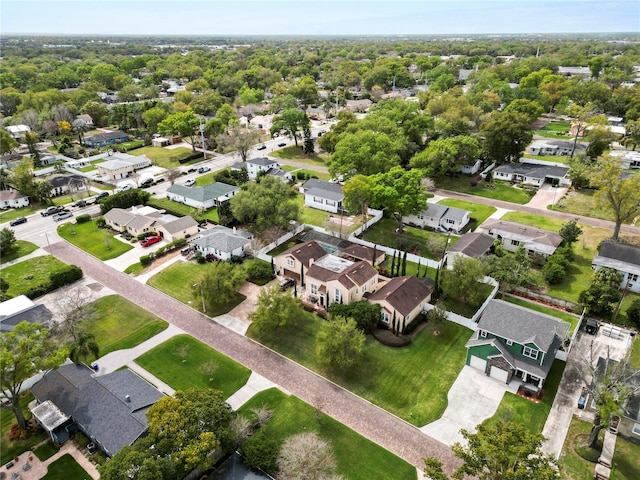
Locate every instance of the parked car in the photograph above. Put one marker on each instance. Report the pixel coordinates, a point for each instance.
(262, 147)
(18, 221)
(62, 216)
(146, 182)
(190, 183)
(203, 169)
(101, 195)
(124, 188)
(79, 203)
(282, 144)
(51, 211)
(287, 283)
(150, 240)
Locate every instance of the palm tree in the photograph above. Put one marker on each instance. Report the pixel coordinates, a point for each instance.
(83, 346)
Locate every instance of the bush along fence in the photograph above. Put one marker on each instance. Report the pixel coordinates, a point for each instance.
(145, 260)
(60, 278)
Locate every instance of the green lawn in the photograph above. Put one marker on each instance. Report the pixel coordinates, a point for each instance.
(425, 243)
(314, 216)
(555, 130)
(479, 212)
(495, 190)
(20, 249)
(88, 237)
(635, 353)
(549, 158)
(119, 324)
(462, 308)
(205, 179)
(165, 157)
(567, 317)
(582, 202)
(177, 281)
(46, 450)
(66, 468)
(310, 173)
(411, 382)
(357, 458)
(295, 154)
(26, 275)
(183, 362)
(180, 209)
(10, 214)
(285, 246)
(12, 448)
(526, 412)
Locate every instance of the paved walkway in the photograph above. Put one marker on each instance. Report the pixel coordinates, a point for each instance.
(256, 383)
(36, 253)
(380, 426)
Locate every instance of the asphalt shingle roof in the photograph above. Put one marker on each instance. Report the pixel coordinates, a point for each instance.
(403, 293)
(222, 239)
(533, 170)
(472, 244)
(204, 193)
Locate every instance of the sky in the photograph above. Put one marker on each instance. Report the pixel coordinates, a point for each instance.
(317, 17)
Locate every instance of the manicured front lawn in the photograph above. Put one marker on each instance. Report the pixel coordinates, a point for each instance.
(24, 276)
(425, 243)
(88, 237)
(118, 324)
(567, 317)
(12, 213)
(183, 362)
(479, 212)
(181, 210)
(66, 468)
(582, 202)
(320, 218)
(411, 382)
(12, 448)
(165, 157)
(20, 249)
(525, 412)
(310, 173)
(46, 450)
(548, 158)
(555, 130)
(495, 190)
(295, 154)
(357, 458)
(177, 281)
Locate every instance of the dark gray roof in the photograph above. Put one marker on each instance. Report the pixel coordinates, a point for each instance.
(533, 170)
(521, 325)
(99, 404)
(320, 188)
(63, 180)
(222, 239)
(37, 314)
(472, 244)
(204, 193)
(435, 210)
(263, 161)
(319, 192)
(328, 242)
(103, 137)
(620, 252)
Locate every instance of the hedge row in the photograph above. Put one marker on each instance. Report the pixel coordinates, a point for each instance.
(146, 260)
(64, 276)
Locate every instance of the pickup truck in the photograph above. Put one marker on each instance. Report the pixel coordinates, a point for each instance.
(51, 211)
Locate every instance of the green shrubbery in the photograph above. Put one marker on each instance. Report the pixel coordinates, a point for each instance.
(145, 260)
(84, 218)
(64, 276)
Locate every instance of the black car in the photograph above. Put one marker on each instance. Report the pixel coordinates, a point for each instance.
(18, 221)
(282, 144)
(101, 195)
(287, 283)
(262, 147)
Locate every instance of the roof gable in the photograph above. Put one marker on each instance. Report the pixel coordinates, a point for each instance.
(404, 294)
(620, 251)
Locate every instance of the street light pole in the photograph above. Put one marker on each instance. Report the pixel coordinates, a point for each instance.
(48, 244)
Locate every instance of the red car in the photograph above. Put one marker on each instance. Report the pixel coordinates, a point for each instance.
(150, 240)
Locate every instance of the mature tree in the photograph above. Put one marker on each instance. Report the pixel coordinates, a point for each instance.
(184, 124)
(7, 143)
(308, 147)
(305, 91)
(357, 192)
(227, 115)
(463, 281)
(582, 116)
(24, 352)
(7, 240)
(306, 456)
(365, 152)
(603, 292)
(506, 135)
(633, 313)
(153, 117)
(83, 347)
(398, 192)
(275, 310)
(292, 121)
(632, 134)
(365, 314)
(219, 284)
(570, 231)
(99, 113)
(269, 203)
(446, 155)
(138, 462)
(125, 199)
(189, 426)
(505, 451)
(599, 138)
(73, 307)
(510, 269)
(22, 178)
(31, 139)
(239, 138)
(530, 108)
(618, 192)
(339, 343)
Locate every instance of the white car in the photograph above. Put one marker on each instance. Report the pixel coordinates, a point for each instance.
(124, 188)
(190, 183)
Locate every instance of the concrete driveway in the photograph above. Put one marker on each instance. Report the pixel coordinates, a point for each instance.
(546, 195)
(473, 398)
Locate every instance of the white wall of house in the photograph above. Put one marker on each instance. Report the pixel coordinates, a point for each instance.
(630, 281)
(253, 169)
(15, 203)
(321, 203)
(238, 252)
(210, 203)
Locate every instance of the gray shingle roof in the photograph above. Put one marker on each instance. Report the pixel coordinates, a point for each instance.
(435, 210)
(262, 161)
(472, 244)
(37, 314)
(523, 233)
(222, 239)
(620, 252)
(533, 170)
(106, 136)
(180, 224)
(522, 325)
(320, 186)
(204, 193)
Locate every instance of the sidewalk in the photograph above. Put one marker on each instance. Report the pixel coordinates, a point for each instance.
(40, 252)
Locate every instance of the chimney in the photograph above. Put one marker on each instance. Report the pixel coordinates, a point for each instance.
(311, 260)
(234, 230)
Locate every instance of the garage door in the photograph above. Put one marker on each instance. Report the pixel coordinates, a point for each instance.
(479, 363)
(499, 374)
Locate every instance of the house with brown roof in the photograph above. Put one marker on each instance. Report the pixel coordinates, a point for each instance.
(357, 251)
(513, 235)
(298, 258)
(401, 300)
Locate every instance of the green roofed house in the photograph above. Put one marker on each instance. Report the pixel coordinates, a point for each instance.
(513, 341)
(206, 197)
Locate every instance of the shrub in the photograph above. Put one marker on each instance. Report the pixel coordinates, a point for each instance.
(142, 236)
(554, 270)
(84, 218)
(258, 270)
(633, 313)
(101, 222)
(261, 452)
(68, 274)
(145, 260)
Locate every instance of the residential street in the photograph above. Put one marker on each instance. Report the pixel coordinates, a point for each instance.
(389, 431)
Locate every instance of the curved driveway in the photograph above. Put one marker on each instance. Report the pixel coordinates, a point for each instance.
(385, 429)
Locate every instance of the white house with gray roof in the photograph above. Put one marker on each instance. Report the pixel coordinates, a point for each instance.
(554, 147)
(440, 217)
(222, 242)
(532, 173)
(513, 235)
(623, 258)
(515, 343)
(140, 220)
(323, 195)
(255, 166)
(205, 197)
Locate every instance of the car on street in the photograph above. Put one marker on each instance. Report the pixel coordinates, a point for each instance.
(79, 203)
(51, 210)
(150, 240)
(262, 147)
(190, 183)
(321, 132)
(203, 169)
(62, 216)
(18, 221)
(282, 144)
(124, 188)
(147, 182)
(101, 195)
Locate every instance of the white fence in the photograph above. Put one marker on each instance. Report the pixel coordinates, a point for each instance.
(262, 254)
(376, 216)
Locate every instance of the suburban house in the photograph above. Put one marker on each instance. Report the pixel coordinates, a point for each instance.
(109, 409)
(107, 138)
(628, 159)
(584, 72)
(471, 168)
(206, 197)
(512, 235)
(298, 259)
(86, 118)
(332, 279)
(22, 309)
(120, 165)
(554, 147)
(357, 251)
(283, 175)
(532, 173)
(323, 195)
(513, 341)
(12, 199)
(222, 242)
(401, 300)
(440, 217)
(470, 245)
(255, 165)
(140, 220)
(358, 106)
(623, 258)
(67, 184)
(17, 132)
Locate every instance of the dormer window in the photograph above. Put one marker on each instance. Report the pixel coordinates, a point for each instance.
(530, 352)
(482, 334)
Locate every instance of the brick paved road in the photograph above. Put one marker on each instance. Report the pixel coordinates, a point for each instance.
(390, 432)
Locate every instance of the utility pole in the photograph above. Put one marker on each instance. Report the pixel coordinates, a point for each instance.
(204, 153)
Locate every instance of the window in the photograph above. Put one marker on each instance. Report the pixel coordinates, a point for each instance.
(289, 262)
(530, 352)
(373, 281)
(633, 277)
(384, 316)
(483, 334)
(336, 295)
(364, 288)
(450, 221)
(515, 242)
(314, 289)
(636, 429)
(509, 342)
